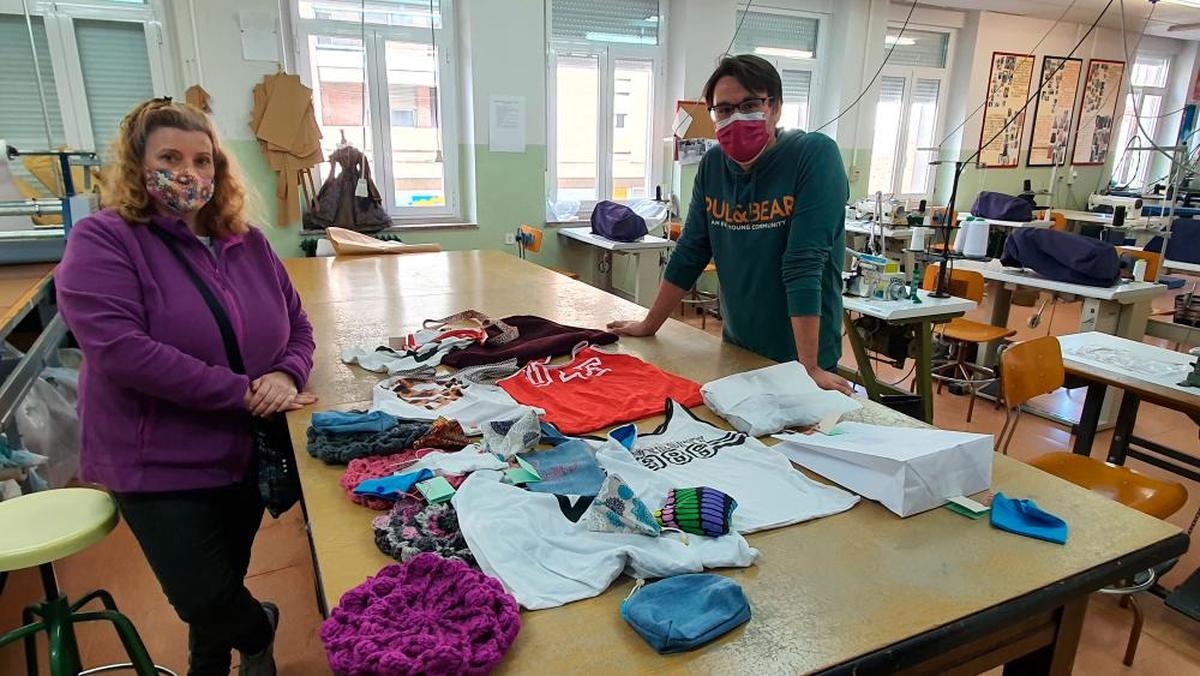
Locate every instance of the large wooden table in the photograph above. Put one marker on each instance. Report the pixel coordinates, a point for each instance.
(863, 590)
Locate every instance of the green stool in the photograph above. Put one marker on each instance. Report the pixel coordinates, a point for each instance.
(39, 529)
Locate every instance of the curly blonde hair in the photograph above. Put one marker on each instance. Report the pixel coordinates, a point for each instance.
(124, 174)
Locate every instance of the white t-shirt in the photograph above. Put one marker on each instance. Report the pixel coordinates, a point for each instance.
(686, 452)
(537, 545)
(429, 398)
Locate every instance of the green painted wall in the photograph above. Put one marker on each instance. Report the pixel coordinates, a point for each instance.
(1070, 192)
(261, 182)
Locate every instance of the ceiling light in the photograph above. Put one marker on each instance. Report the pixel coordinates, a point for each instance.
(783, 53)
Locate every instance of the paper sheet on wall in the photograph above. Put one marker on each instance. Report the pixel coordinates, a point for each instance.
(506, 124)
(260, 36)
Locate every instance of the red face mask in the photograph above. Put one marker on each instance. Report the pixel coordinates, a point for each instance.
(743, 136)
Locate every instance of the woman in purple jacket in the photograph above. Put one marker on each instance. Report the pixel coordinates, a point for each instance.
(166, 422)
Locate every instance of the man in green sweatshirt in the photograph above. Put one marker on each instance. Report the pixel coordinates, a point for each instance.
(767, 207)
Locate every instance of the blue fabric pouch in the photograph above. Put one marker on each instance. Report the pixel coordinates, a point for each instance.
(1023, 517)
(684, 612)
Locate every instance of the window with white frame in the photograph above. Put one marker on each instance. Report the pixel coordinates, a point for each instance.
(791, 42)
(384, 81)
(97, 58)
(604, 76)
(1148, 81)
(912, 88)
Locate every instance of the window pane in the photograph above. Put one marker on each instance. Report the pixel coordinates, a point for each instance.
(577, 98)
(116, 73)
(887, 133)
(632, 128)
(21, 122)
(776, 34)
(1150, 71)
(922, 120)
(339, 81)
(621, 21)
(797, 86)
(917, 48)
(410, 13)
(418, 167)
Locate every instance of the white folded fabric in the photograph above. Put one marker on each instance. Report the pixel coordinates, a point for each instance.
(774, 398)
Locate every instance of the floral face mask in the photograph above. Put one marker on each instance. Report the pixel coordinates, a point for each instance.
(182, 193)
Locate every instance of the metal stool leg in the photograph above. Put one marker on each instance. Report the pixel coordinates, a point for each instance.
(139, 658)
(31, 660)
(1135, 632)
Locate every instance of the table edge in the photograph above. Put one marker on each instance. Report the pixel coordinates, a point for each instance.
(914, 650)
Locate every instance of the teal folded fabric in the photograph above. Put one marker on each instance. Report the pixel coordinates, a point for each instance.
(391, 487)
(1023, 517)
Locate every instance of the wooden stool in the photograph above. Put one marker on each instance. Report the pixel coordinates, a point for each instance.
(1131, 488)
(39, 529)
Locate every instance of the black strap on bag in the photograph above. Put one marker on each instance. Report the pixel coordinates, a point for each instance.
(278, 481)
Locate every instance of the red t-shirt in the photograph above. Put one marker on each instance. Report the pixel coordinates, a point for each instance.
(597, 389)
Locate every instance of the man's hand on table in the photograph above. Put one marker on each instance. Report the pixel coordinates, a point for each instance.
(830, 381)
(634, 329)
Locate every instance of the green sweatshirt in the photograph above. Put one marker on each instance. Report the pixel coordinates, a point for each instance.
(777, 235)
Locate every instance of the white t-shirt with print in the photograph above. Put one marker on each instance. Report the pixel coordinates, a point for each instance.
(424, 398)
(686, 452)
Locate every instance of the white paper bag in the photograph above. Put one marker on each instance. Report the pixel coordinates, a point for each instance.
(767, 400)
(907, 470)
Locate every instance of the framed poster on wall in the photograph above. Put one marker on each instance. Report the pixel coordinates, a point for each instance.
(1054, 111)
(1097, 125)
(1008, 89)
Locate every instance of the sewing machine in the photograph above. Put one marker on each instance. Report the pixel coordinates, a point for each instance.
(1101, 203)
(876, 277)
(888, 211)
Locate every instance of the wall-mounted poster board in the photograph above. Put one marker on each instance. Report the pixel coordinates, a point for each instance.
(1008, 90)
(1054, 111)
(1097, 124)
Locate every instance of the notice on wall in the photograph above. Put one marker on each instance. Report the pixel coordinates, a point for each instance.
(1008, 90)
(1054, 111)
(506, 124)
(1097, 125)
(260, 35)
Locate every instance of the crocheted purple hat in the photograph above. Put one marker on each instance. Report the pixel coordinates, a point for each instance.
(430, 615)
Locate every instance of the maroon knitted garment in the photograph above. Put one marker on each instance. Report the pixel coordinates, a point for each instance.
(428, 616)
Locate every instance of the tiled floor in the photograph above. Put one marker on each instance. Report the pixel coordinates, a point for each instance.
(282, 570)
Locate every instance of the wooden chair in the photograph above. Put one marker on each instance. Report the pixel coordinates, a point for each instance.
(1058, 221)
(1035, 367)
(1148, 495)
(529, 239)
(1027, 369)
(962, 332)
(1153, 260)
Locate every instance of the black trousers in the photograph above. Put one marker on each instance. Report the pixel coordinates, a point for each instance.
(198, 544)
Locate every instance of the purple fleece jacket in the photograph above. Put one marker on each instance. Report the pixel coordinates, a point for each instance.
(160, 408)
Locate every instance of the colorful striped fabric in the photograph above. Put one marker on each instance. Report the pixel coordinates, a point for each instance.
(700, 511)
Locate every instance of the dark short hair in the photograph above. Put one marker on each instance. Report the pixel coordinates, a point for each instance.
(754, 73)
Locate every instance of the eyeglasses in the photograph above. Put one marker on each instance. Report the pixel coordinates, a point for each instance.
(748, 106)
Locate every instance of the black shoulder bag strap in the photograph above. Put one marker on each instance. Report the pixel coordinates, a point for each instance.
(232, 352)
(275, 466)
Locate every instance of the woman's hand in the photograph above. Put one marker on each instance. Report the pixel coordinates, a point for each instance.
(830, 381)
(271, 394)
(630, 328)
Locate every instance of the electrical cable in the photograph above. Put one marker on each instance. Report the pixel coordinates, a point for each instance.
(738, 29)
(1175, 164)
(984, 103)
(1037, 92)
(878, 71)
